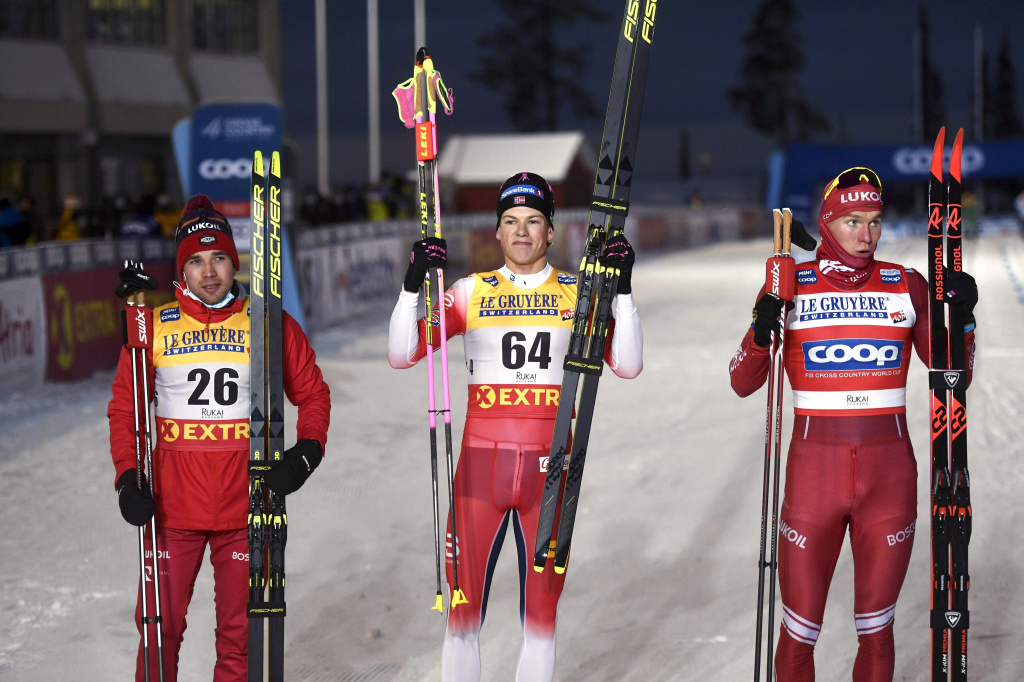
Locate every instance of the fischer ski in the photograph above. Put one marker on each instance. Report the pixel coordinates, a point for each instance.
(268, 521)
(596, 286)
(950, 479)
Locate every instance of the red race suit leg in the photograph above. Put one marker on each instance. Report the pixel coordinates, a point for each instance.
(181, 555)
(499, 478)
(856, 472)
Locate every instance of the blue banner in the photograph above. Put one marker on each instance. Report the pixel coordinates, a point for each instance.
(224, 137)
(809, 166)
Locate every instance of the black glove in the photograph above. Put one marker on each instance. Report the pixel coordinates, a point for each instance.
(300, 460)
(137, 507)
(962, 294)
(766, 318)
(799, 236)
(619, 254)
(133, 280)
(431, 252)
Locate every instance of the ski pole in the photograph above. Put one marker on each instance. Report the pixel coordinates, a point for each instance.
(137, 326)
(780, 282)
(435, 89)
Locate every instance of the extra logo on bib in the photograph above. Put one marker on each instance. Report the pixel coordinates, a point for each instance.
(851, 355)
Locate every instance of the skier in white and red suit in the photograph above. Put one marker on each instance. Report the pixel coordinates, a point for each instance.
(847, 351)
(199, 373)
(516, 322)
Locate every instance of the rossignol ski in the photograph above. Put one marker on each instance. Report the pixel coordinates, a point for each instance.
(417, 100)
(951, 491)
(780, 281)
(137, 335)
(596, 284)
(268, 522)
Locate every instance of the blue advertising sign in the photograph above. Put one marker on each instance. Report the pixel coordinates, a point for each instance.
(224, 137)
(809, 166)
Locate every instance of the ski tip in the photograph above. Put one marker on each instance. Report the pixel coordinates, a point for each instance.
(954, 158)
(257, 163)
(275, 164)
(438, 603)
(940, 142)
(538, 569)
(458, 597)
(559, 569)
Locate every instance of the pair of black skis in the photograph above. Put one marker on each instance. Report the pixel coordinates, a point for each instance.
(596, 284)
(268, 522)
(950, 480)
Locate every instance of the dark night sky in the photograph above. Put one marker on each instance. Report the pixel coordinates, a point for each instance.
(859, 63)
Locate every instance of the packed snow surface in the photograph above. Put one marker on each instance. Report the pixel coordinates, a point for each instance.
(662, 582)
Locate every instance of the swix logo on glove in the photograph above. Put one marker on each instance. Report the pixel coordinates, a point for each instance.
(851, 355)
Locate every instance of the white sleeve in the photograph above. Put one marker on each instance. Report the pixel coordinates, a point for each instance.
(627, 338)
(403, 332)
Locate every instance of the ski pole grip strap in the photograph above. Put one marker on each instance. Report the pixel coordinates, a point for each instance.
(946, 379)
(609, 205)
(948, 620)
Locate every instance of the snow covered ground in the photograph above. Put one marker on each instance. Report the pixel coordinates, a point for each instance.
(662, 584)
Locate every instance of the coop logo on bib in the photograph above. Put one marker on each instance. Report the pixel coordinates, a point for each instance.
(806, 277)
(891, 275)
(851, 355)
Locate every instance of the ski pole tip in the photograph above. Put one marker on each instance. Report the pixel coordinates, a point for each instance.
(458, 597)
(438, 603)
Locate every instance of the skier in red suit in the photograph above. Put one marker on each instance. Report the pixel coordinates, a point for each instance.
(516, 322)
(847, 350)
(199, 373)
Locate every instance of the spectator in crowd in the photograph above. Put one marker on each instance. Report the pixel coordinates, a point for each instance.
(167, 215)
(68, 229)
(141, 223)
(13, 226)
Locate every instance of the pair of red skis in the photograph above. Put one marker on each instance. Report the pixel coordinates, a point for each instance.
(950, 480)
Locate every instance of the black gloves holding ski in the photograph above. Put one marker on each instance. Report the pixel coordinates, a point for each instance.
(133, 280)
(962, 295)
(431, 252)
(137, 507)
(619, 254)
(298, 464)
(766, 318)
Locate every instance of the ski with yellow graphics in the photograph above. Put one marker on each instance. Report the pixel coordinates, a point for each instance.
(596, 285)
(268, 520)
(258, 464)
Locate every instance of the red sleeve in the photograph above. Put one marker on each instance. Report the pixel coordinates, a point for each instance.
(304, 384)
(922, 329)
(456, 306)
(121, 414)
(748, 369)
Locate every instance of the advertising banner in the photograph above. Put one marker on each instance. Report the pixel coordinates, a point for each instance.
(84, 320)
(224, 138)
(342, 281)
(22, 334)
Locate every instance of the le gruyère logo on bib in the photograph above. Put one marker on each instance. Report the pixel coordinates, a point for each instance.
(519, 304)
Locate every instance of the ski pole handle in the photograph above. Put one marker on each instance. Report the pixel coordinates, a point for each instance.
(787, 228)
(777, 242)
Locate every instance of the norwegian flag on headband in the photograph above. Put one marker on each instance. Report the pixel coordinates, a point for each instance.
(519, 200)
